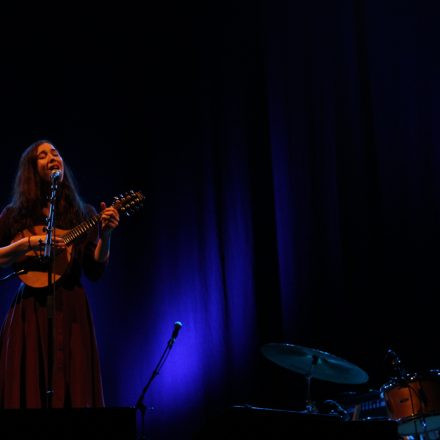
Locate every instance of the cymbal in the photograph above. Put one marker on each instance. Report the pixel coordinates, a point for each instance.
(314, 363)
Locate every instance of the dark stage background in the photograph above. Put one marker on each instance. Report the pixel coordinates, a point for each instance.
(290, 156)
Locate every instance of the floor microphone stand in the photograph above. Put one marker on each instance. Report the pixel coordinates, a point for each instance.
(140, 402)
(49, 258)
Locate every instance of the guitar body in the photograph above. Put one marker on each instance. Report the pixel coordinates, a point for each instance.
(36, 270)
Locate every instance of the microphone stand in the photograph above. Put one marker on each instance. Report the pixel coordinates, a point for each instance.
(49, 258)
(140, 402)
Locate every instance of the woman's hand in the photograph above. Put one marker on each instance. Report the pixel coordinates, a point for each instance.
(37, 242)
(109, 219)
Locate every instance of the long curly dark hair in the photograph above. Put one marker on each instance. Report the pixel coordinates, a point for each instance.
(30, 194)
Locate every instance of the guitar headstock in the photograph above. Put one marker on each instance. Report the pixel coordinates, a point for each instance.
(128, 203)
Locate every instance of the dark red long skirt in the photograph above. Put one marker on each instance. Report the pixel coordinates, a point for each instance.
(24, 352)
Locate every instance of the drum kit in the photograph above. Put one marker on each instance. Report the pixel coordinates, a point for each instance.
(412, 401)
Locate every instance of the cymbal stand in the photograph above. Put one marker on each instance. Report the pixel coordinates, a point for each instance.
(310, 407)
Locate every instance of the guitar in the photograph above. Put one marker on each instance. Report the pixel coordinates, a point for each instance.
(31, 267)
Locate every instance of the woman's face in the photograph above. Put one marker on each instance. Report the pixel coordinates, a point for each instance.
(49, 161)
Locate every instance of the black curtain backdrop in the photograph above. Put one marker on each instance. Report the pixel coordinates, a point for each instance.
(289, 153)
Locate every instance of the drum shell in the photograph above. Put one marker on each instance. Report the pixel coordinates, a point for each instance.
(414, 396)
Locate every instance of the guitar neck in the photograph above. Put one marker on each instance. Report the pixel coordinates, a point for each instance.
(123, 204)
(81, 229)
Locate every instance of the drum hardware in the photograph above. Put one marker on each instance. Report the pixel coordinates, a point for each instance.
(368, 405)
(333, 407)
(395, 363)
(313, 363)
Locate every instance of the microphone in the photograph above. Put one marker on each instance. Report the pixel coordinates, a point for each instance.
(55, 175)
(177, 326)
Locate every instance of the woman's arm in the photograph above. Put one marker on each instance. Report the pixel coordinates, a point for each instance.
(109, 221)
(11, 253)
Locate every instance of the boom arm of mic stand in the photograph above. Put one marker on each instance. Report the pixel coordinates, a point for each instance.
(140, 402)
(163, 358)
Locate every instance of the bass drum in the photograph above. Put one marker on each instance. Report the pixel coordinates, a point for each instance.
(414, 402)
